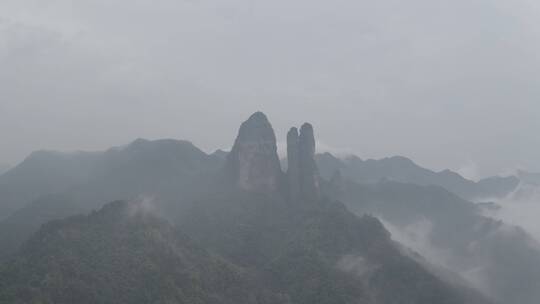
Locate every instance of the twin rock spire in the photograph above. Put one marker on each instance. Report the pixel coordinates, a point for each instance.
(255, 166)
(302, 172)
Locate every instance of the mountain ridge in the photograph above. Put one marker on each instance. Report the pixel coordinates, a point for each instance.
(302, 250)
(402, 169)
(121, 254)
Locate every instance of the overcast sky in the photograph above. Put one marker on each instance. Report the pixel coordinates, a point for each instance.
(451, 84)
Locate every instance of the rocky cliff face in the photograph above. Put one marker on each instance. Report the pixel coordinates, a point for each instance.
(254, 164)
(253, 161)
(303, 175)
(293, 167)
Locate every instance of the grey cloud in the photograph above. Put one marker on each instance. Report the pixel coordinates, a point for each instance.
(443, 82)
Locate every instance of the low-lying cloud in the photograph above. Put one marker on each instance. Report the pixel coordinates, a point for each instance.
(521, 208)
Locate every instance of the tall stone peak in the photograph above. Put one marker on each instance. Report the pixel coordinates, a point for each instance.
(293, 165)
(255, 128)
(302, 174)
(253, 160)
(307, 141)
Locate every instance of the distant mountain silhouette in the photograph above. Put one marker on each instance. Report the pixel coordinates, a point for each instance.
(42, 173)
(262, 237)
(454, 230)
(123, 254)
(172, 171)
(404, 170)
(309, 234)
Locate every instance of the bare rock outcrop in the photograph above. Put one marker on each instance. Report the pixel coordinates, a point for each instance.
(253, 161)
(302, 174)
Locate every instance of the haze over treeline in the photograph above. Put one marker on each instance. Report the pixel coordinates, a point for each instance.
(269, 151)
(451, 84)
(162, 221)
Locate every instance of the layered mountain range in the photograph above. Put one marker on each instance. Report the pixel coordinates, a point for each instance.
(403, 170)
(235, 228)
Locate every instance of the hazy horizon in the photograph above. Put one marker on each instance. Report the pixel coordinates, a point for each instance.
(451, 84)
(375, 78)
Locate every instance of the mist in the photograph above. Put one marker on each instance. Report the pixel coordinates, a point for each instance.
(375, 76)
(521, 208)
(113, 190)
(4, 168)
